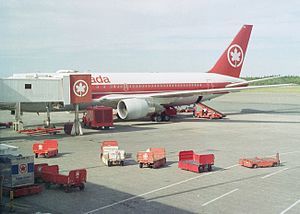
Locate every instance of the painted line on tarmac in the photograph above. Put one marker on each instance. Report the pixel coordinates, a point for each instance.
(274, 173)
(155, 190)
(229, 167)
(217, 198)
(290, 207)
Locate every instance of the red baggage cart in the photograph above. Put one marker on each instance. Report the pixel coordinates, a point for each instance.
(152, 157)
(50, 175)
(48, 149)
(188, 160)
(260, 162)
(23, 190)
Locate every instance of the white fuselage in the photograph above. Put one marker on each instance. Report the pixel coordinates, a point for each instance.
(104, 84)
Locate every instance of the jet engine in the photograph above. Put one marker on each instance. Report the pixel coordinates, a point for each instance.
(130, 109)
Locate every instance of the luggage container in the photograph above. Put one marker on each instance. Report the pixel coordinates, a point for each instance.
(107, 143)
(152, 157)
(188, 160)
(98, 117)
(260, 162)
(48, 149)
(17, 170)
(50, 175)
(8, 150)
(111, 154)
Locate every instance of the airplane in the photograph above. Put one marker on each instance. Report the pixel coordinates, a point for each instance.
(138, 95)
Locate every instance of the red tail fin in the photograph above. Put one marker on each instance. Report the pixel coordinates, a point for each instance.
(231, 61)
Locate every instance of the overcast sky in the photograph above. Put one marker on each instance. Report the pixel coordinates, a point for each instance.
(146, 36)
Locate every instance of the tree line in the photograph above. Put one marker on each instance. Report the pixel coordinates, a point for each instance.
(280, 80)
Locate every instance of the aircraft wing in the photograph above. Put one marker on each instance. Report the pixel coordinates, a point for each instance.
(185, 93)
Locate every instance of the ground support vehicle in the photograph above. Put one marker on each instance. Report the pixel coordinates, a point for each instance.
(188, 160)
(48, 149)
(110, 153)
(206, 112)
(260, 162)
(152, 158)
(18, 175)
(98, 117)
(18, 171)
(50, 175)
(40, 131)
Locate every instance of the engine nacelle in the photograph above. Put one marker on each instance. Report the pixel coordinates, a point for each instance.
(130, 109)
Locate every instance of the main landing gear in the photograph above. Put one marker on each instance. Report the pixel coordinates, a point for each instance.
(160, 117)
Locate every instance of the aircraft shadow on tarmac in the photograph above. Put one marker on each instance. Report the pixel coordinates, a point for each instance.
(93, 197)
(116, 129)
(295, 110)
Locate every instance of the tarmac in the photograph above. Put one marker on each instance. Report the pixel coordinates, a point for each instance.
(257, 124)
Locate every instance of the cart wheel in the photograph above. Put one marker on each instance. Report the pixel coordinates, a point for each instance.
(36, 155)
(122, 163)
(47, 184)
(158, 118)
(165, 161)
(141, 165)
(81, 187)
(255, 166)
(199, 169)
(209, 167)
(166, 118)
(109, 163)
(46, 155)
(274, 164)
(67, 189)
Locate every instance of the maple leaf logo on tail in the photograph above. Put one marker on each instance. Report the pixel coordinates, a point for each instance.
(235, 55)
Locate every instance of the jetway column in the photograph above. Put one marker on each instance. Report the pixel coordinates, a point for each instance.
(18, 124)
(76, 129)
(80, 92)
(48, 122)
